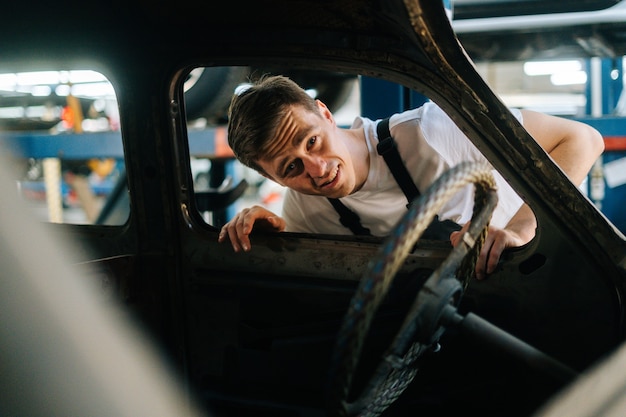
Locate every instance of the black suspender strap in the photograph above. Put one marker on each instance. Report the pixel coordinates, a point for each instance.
(389, 150)
(349, 219)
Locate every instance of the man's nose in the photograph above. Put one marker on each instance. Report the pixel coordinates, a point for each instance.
(315, 166)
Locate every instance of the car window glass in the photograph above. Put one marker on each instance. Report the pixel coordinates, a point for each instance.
(60, 130)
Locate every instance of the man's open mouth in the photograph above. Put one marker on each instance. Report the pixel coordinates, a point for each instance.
(332, 181)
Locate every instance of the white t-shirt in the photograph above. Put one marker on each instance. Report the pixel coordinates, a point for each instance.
(429, 143)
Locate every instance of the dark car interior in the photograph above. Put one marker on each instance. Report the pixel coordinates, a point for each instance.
(270, 332)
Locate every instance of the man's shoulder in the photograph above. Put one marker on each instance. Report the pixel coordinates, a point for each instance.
(394, 119)
(417, 114)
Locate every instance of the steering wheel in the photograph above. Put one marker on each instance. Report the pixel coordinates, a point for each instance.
(421, 328)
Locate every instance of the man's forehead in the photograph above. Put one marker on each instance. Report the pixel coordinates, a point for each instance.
(293, 127)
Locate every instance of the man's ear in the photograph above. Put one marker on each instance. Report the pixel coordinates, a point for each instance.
(325, 111)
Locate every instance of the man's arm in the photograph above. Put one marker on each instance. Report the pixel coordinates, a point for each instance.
(574, 147)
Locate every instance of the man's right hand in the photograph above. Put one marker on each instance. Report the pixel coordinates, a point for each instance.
(239, 228)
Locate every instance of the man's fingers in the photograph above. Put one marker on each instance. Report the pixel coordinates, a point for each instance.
(273, 221)
(243, 229)
(482, 259)
(494, 256)
(454, 238)
(490, 254)
(222, 235)
(277, 223)
(233, 236)
(234, 230)
(239, 228)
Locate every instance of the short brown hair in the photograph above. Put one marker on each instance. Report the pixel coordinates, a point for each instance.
(255, 114)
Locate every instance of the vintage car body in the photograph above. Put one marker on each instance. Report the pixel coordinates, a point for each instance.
(252, 333)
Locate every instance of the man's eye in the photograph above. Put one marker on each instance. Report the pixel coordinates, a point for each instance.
(312, 141)
(292, 168)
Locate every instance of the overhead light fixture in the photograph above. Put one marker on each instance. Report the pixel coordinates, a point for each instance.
(8, 82)
(38, 82)
(569, 78)
(101, 89)
(534, 68)
(37, 78)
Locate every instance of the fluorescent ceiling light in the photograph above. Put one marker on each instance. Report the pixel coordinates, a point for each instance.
(38, 78)
(62, 90)
(86, 76)
(569, 78)
(533, 68)
(93, 90)
(41, 90)
(10, 81)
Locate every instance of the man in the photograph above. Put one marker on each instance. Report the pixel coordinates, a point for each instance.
(277, 129)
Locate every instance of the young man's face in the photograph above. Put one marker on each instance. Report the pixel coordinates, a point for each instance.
(309, 156)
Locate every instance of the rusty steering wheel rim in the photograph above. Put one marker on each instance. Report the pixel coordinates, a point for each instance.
(390, 379)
